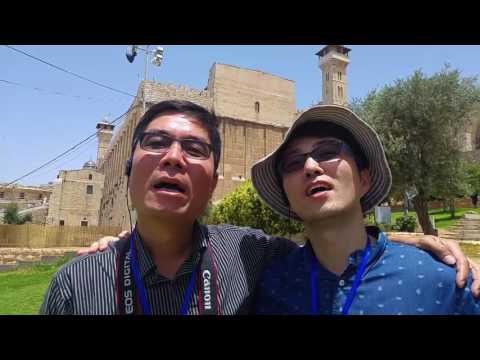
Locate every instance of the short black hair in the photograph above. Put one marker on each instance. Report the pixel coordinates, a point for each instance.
(206, 117)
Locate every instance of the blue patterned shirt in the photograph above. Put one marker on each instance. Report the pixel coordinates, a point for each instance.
(398, 280)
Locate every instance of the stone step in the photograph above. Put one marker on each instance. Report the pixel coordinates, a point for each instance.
(467, 227)
(465, 232)
(471, 226)
(466, 222)
(6, 267)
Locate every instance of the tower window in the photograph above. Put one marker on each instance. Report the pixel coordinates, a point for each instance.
(22, 195)
(89, 189)
(83, 223)
(90, 177)
(61, 222)
(327, 77)
(2, 194)
(340, 92)
(257, 107)
(339, 75)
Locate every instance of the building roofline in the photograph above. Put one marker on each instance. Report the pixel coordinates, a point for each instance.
(255, 70)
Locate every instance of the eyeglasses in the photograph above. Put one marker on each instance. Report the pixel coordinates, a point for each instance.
(325, 151)
(158, 142)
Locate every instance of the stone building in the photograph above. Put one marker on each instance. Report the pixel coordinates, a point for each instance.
(333, 61)
(255, 110)
(77, 194)
(29, 199)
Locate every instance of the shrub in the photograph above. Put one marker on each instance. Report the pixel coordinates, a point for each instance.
(243, 207)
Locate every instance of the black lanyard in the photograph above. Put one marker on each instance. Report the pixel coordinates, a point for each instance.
(131, 294)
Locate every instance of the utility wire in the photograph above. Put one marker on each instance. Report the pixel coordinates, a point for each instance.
(52, 92)
(68, 71)
(65, 152)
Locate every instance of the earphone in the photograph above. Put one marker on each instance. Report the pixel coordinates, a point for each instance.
(128, 170)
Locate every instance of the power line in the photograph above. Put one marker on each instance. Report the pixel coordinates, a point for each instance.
(66, 152)
(61, 162)
(52, 92)
(67, 71)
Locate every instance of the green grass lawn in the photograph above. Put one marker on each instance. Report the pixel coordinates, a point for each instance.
(22, 290)
(442, 218)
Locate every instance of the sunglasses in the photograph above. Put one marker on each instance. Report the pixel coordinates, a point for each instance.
(325, 151)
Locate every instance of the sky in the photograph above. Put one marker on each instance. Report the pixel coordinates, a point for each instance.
(45, 111)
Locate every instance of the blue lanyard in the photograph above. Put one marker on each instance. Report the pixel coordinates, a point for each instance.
(353, 290)
(139, 283)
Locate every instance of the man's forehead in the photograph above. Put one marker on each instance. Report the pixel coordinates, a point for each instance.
(174, 121)
(180, 124)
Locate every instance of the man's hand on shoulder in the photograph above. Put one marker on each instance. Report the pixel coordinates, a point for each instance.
(102, 244)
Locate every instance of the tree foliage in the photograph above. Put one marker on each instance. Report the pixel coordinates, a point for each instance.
(12, 216)
(243, 207)
(421, 121)
(473, 178)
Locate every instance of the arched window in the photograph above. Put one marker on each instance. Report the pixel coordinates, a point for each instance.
(257, 107)
(340, 92)
(90, 176)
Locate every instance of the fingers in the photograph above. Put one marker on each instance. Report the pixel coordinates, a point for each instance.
(475, 269)
(93, 248)
(461, 261)
(436, 247)
(124, 234)
(82, 251)
(103, 242)
(90, 250)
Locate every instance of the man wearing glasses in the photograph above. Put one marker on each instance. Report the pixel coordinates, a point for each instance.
(171, 264)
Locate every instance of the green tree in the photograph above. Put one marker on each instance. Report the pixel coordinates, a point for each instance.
(243, 207)
(473, 177)
(420, 120)
(12, 216)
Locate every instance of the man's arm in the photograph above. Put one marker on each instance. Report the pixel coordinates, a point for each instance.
(446, 250)
(55, 302)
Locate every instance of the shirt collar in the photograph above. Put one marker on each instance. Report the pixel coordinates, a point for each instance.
(377, 242)
(147, 266)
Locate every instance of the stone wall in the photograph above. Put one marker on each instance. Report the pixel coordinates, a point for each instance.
(156, 92)
(70, 201)
(243, 143)
(236, 91)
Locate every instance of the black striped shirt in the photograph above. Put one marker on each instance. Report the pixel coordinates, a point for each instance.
(86, 285)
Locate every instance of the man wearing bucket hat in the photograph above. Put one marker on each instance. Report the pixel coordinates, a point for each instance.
(329, 171)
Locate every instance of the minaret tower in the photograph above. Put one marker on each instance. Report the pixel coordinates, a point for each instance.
(333, 60)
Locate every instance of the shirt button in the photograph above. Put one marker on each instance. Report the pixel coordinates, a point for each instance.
(341, 282)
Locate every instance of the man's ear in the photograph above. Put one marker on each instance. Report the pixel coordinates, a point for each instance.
(365, 181)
